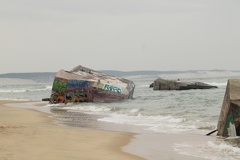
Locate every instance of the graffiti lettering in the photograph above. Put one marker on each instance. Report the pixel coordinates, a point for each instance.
(59, 85)
(78, 83)
(57, 97)
(112, 88)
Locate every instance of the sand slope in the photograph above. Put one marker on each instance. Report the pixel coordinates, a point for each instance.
(29, 134)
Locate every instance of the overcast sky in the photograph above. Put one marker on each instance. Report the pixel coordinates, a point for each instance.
(126, 35)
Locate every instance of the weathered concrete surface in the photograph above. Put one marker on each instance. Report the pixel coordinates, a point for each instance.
(229, 118)
(163, 84)
(151, 85)
(82, 84)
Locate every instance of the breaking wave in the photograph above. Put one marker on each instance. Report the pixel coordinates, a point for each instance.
(217, 84)
(21, 90)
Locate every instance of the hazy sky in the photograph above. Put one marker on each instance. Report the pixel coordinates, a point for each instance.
(126, 35)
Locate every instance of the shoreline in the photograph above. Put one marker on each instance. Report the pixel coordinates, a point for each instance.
(26, 133)
(137, 141)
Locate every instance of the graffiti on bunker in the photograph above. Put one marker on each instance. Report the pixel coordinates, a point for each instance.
(232, 122)
(112, 88)
(59, 85)
(78, 96)
(85, 85)
(77, 83)
(71, 91)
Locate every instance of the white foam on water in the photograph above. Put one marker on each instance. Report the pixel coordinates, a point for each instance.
(164, 124)
(48, 87)
(22, 89)
(13, 99)
(217, 84)
(13, 91)
(189, 149)
(90, 109)
(213, 150)
(53, 105)
(143, 86)
(222, 151)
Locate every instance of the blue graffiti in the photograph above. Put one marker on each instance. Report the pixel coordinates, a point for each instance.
(78, 83)
(112, 88)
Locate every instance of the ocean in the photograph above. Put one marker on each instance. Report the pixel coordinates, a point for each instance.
(188, 112)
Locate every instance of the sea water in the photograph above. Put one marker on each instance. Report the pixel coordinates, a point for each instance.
(23, 92)
(170, 111)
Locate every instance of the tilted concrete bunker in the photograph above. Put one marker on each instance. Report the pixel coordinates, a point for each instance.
(82, 84)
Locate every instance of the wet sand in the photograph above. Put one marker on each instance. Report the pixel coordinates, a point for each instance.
(81, 136)
(30, 134)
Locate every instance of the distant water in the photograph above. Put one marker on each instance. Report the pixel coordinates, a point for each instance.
(34, 92)
(189, 111)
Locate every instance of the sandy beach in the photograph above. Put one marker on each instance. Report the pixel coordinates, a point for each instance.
(30, 134)
(26, 132)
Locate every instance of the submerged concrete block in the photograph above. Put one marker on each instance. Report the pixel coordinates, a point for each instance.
(164, 84)
(229, 118)
(82, 84)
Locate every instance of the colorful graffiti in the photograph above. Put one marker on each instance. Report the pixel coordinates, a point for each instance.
(232, 121)
(112, 88)
(59, 85)
(79, 96)
(57, 97)
(77, 83)
(70, 91)
(85, 85)
(98, 84)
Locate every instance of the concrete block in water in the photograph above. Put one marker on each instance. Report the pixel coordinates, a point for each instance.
(229, 118)
(164, 84)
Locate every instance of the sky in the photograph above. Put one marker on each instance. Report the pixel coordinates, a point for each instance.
(125, 35)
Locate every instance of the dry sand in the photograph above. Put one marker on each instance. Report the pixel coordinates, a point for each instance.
(30, 134)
